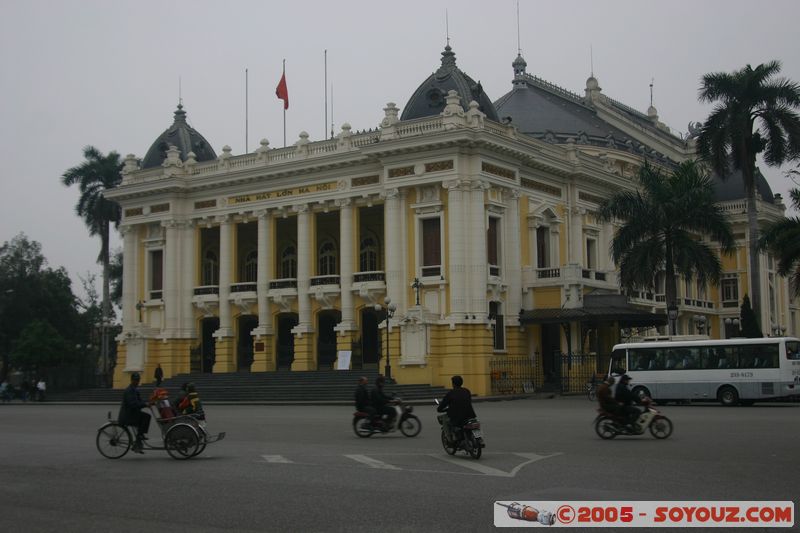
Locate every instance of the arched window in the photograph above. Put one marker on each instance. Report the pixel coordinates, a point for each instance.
(249, 269)
(368, 255)
(327, 259)
(210, 268)
(289, 262)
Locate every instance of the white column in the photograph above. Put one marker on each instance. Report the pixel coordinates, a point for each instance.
(346, 254)
(262, 279)
(171, 287)
(225, 261)
(303, 266)
(130, 316)
(478, 257)
(188, 277)
(456, 273)
(512, 270)
(576, 236)
(394, 246)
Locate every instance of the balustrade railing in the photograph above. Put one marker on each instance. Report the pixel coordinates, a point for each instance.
(286, 283)
(360, 277)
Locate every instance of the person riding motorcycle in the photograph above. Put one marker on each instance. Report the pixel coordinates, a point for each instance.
(458, 404)
(381, 402)
(626, 398)
(362, 397)
(605, 398)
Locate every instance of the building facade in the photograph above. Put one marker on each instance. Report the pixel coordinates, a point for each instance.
(477, 220)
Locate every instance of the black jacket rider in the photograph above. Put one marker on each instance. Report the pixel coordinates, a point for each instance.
(457, 403)
(627, 398)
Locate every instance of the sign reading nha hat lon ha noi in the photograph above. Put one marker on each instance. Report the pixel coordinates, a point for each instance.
(282, 193)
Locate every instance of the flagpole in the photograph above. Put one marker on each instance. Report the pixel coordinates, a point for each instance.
(284, 109)
(246, 113)
(325, 87)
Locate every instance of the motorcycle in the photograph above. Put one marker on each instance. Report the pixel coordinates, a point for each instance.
(364, 424)
(608, 425)
(468, 437)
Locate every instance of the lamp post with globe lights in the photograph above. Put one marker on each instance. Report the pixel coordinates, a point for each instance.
(390, 310)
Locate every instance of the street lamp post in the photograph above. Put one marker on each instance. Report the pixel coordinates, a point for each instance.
(700, 321)
(672, 315)
(390, 309)
(732, 322)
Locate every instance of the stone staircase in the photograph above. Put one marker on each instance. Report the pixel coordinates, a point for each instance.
(318, 387)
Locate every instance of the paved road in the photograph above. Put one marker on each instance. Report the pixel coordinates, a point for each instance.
(302, 468)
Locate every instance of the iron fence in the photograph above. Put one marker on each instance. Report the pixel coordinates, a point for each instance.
(514, 374)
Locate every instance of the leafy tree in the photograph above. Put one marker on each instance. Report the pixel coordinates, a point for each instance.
(782, 239)
(40, 347)
(96, 175)
(750, 327)
(30, 291)
(662, 220)
(756, 113)
(116, 277)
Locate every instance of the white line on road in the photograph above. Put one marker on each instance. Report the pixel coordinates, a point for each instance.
(483, 469)
(488, 470)
(372, 463)
(276, 459)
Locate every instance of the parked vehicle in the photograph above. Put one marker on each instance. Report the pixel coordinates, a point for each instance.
(609, 425)
(468, 437)
(365, 425)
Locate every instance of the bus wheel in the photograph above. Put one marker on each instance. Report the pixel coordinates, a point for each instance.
(728, 396)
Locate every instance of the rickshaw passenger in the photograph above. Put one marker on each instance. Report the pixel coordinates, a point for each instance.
(131, 414)
(191, 404)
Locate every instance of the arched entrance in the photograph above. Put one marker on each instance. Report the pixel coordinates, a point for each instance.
(285, 340)
(326, 338)
(551, 353)
(370, 338)
(244, 346)
(208, 348)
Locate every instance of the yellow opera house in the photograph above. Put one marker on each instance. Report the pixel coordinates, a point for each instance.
(459, 237)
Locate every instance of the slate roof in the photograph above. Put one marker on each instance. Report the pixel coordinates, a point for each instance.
(429, 98)
(184, 137)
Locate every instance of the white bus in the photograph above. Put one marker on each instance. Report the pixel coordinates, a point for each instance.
(733, 371)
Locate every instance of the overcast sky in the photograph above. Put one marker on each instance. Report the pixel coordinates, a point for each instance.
(80, 72)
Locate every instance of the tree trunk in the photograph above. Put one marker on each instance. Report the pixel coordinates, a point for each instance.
(670, 286)
(755, 264)
(106, 309)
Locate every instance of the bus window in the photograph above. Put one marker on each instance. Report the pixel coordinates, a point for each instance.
(766, 356)
(792, 350)
(618, 364)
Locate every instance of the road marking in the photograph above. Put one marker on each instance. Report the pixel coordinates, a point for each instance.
(488, 470)
(471, 463)
(372, 463)
(276, 459)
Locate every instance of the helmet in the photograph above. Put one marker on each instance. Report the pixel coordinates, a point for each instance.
(135, 376)
(625, 377)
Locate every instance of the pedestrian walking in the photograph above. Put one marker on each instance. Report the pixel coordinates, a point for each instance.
(159, 375)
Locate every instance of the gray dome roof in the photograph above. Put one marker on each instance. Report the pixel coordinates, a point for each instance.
(184, 137)
(429, 98)
(732, 188)
(548, 112)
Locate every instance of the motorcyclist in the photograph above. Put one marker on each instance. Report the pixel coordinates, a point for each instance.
(626, 398)
(458, 404)
(362, 397)
(382, 402)
(605, 398)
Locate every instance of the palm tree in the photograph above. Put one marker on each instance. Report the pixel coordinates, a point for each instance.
(755, 113)
(782, 239)
(97, 174)
(662, 222)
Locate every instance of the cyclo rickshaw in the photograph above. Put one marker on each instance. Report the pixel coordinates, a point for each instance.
(183, 436)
